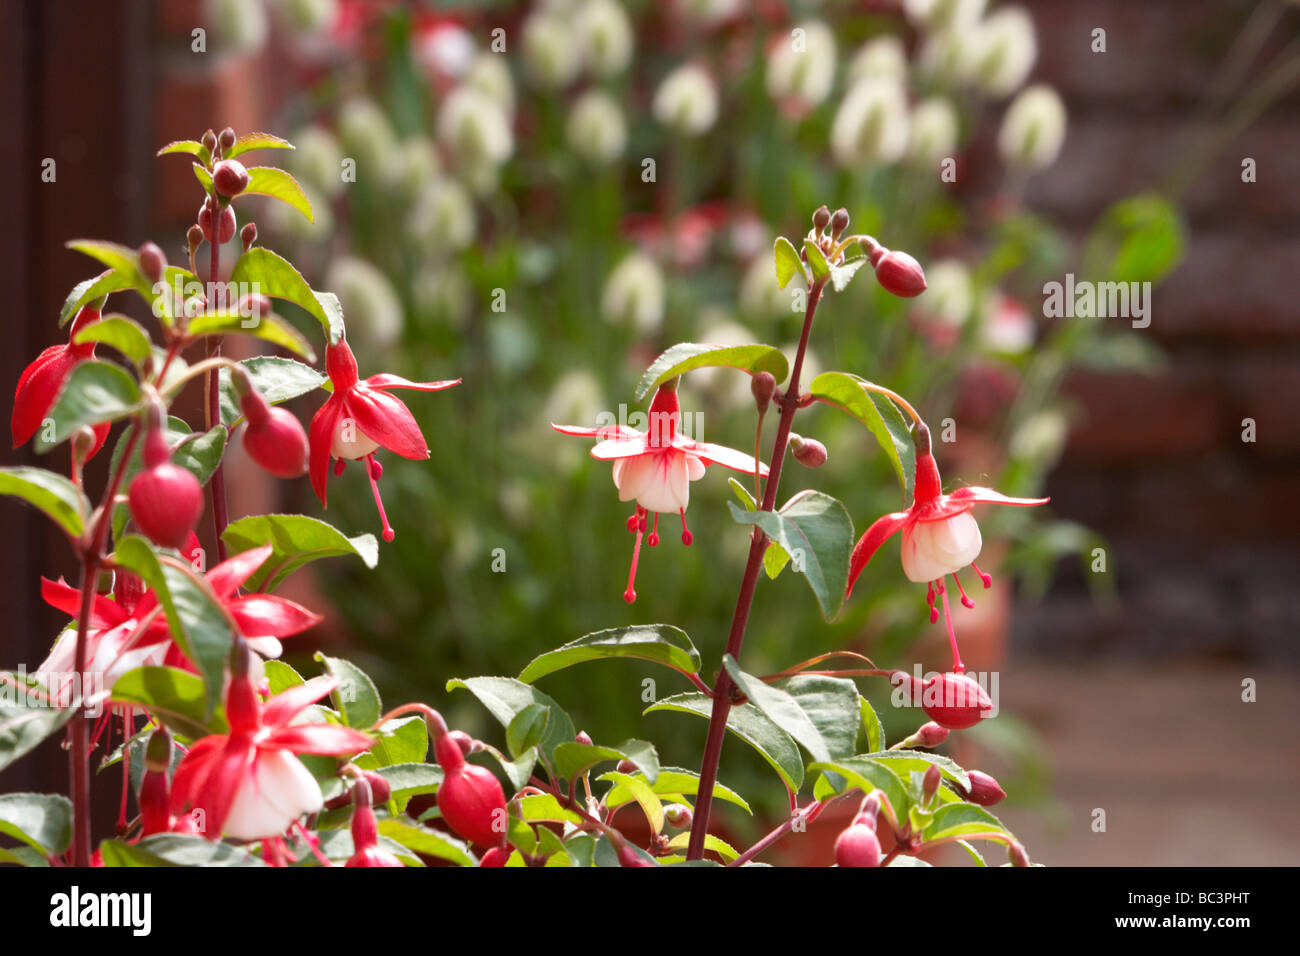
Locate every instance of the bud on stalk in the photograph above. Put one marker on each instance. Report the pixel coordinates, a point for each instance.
(248, 235)
(931, 734)
(153, 263)
(273, 437)
(679, 815)
(897, 272)
(470, 798)
(858, 845)
(984, 790)
(165, 499)
(820, 218)
(762, 385)
(809, 452)
(229, 177)
(221, 223)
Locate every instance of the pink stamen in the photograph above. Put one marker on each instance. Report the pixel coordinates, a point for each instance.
(654, 535)
(966, 601)
(633, 522)
(126, 771)
(986, 578)
(687, 537)
(313, 843)
(957, 666)
(376, 469)
(929, 599)
(339, 465)
(630, 594)
(389, 533)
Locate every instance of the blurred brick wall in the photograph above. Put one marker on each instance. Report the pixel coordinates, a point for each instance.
(1203, 528)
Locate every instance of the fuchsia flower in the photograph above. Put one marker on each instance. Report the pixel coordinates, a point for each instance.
(43, 380)
(655, 467)
(939, 534)
(247, 782)
(359, 418)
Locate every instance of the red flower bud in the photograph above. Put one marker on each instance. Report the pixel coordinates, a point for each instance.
(955, 701)
(226, 139)
(583, 738)
(809, 452)
(273, 437)
(470, 798)
(166, 500)
(839, 222)
(209, 141)
(899, 273)
(153, 263)
(381, 791)
(224, 221)
(762, 385)
(230, 177)
(984, 790)
(679, 815)
(857, 846)
(931, 734)
(464, 741)
(248, 235)
(930, 783)
(1016, 853)
(154, 814)
(627, 766)
(820, 218)
(629, 857)
(497, 856)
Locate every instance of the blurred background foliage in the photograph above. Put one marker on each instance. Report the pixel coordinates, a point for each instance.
(541, 197)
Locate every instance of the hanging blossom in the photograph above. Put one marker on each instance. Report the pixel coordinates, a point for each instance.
(654, 468)
(361, 417)
(248, 783)
(43, 380)
(939, 535)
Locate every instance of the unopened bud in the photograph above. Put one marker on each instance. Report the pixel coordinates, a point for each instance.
(955, 701)
(209, 141)
(464, 741)
(194, 237)
(679, 815)
(627, 766)
(497, 856)
(254, 305)
(984, 790)
(381, 791)
(152, 262)
(839, 222)
(229, 177)
(930, 784)
(762, 385)
(858, 845)
(583, 738)
(248, 235)
(820, 218)
(226, 139)
(899, 273)
(158, 753)
(809, 452)
(83, 443)
(931, 734)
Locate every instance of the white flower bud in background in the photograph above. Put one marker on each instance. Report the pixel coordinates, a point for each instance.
(317, 161)
(634, 294)
(687, 100)
(880, 57)
(552, 56)
(760, 296)
(1033, 129)
(1004, 50)
(490, 75)
(802, 65)
(947, 57)
(949, 295)
(441, 294)
(442, 218)
(308, 15)
(932, 132)
(871, 124)
(240, 24)
(1041, 437)
(446, 50)
(605, 33)
(943, 14)
(374, 312)
(475, 130)
(1005, 325)
(417, 166)
(368, 138)
(596, 130)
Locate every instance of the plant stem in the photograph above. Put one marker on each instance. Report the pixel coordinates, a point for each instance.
(758, 545)
(217, 483)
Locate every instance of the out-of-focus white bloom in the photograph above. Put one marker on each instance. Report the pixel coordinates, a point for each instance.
(1005, 324)
(308, 15)
(687, 100)
(442, 294)
(947, 57)
(871, 124)
(491, 76)
(475, 129)
(442, 219)
(932, 134)
(634, 294)
(447, 49)
(368, 138)
(943, 14)
(760, 296)
(317, 161)
(1041, 437)
(880, 57)
(596, 130)
(373, 311)
(417, 165)
(552, 56)
(576, 397)
(802, 64)
(949, 295)
(1005, 48)
(606, 36)
(240, 24)
(709, 12)
(1033, 129)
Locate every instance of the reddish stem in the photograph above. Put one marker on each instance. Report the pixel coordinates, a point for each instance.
(217, 483)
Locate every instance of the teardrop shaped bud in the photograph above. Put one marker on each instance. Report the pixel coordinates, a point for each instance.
(857, 845)
(209, 141)
(473, 804)
(226, 139)
(930, 783)
(763, 385)
(229, 177)
(165, 499)
(931, 734)
(809, 452)
(153, 263)
(274, 438)
(955, 701)
(497, 856)
(583, 738)
(820, 218)
(984, 790)
(248, 235)
(900, 274)
(679, 815)
(839, 222)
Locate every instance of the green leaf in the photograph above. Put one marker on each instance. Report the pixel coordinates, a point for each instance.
(573, 758)
(865, 774)
(90, 289)
(410, 779)
(95, 392)
(280, 676)
(965, 821)
(831, 705)
(816, 260)
(269, 328)
(125, 261)
(124, 334)
(356, 698)
(25, 719)
(878, 413)
(742, 495)
(774, 560)
(903, 762)
(426, 841)
(190, 146)
(685, 356)
(816, 531)
(198, 622)
(518, 771)
(842, 273)
(400, 741)
(661, 643)
(176, 697)
(711, 842)
(278, 379)
(527, 728)
(749, 724)
(61, 500)
(252, 141)
(788, 263)
(544, 808)
(203, 176)
(675, 785)
(1138, 239)
(276, 183)
(875, 730)
(782, 709)
(505, 697)
(175, 849)
(41, 820)
(277, 278)
(296, 540)
(641, 792)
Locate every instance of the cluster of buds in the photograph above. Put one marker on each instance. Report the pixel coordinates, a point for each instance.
(216, 218)
(897, 272)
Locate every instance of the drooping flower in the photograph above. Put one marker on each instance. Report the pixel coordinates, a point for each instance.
(361, 417)
(654, 468)
(470, 798)
(939, 534)
(42, 381)
(366, 850)
(248, 783)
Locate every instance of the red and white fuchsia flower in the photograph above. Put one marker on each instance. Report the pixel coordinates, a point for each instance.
(654, 468)
(43, 380)
(939, 534)
(248, 783)
(361, 417)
